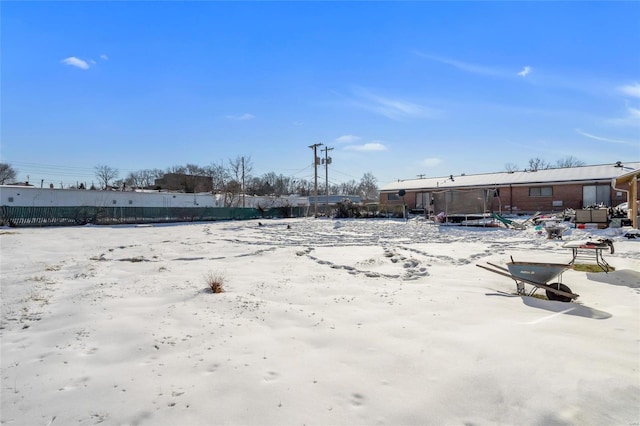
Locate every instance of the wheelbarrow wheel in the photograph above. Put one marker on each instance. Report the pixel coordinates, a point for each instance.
(554, 296)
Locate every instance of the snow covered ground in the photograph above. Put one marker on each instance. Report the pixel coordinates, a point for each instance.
(330, 322)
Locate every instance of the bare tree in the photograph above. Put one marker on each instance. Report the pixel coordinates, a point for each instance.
(231, 194)
(105, 174)
(143, 178)
(348, 188)
(177, 169)
(219, 176)
(133, 180)
(511, 167)
(240, 169)
(195, 170)
(282, 185)
(537, 163)
(7, 173)
(151, 175)
(266, 185)
(120, 184)
(569, 161)
(272, 184)
(302, 187)
(368, 187)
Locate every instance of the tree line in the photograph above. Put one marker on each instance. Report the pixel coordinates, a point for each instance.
(235, 177)
(538, 163)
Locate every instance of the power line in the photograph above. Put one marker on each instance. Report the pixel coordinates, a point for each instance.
(345, 174)
(25, 167)
(300, 171)
(52, 166)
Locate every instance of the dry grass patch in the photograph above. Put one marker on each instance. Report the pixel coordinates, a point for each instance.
(215, 282)
(590, 268)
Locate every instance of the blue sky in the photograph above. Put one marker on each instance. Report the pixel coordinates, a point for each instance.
(398, 89)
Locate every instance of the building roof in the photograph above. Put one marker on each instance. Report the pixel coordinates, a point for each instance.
(604, 172)
(627, 177)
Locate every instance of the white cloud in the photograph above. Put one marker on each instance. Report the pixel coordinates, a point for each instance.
(631, 119)
(372, 146)
(631, 90)
(602, 139)
(348, 139)
(431, 162)
(525, 71)
(75, 62)
(475, 68)
(393, 108)
(465, 66)
(104, 57)
(242, 117)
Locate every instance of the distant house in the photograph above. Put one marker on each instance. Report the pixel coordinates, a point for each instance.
(326, 204)
(334, 199)
(184, 183)
(25, 183)
(525, 192)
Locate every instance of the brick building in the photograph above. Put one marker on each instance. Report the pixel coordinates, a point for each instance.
(549, 190)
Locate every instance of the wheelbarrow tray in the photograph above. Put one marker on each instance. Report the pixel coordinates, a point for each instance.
(530, 278)
(540, 273)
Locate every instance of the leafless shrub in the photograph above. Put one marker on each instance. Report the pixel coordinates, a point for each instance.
(215, 281)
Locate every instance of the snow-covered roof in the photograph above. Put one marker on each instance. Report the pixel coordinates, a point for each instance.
(627, 177)
(564, 175)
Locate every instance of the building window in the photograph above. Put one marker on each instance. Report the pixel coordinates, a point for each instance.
(113, 201)
(423, 200)
(541, 191)
(11, 199)
(130, 201)
(393, 197)
(596, 194)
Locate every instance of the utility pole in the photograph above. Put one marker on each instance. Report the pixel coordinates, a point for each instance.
(315, 168)
(327, 161)
(243, 181)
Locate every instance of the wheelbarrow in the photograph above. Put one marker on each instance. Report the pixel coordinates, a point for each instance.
(538, 275)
